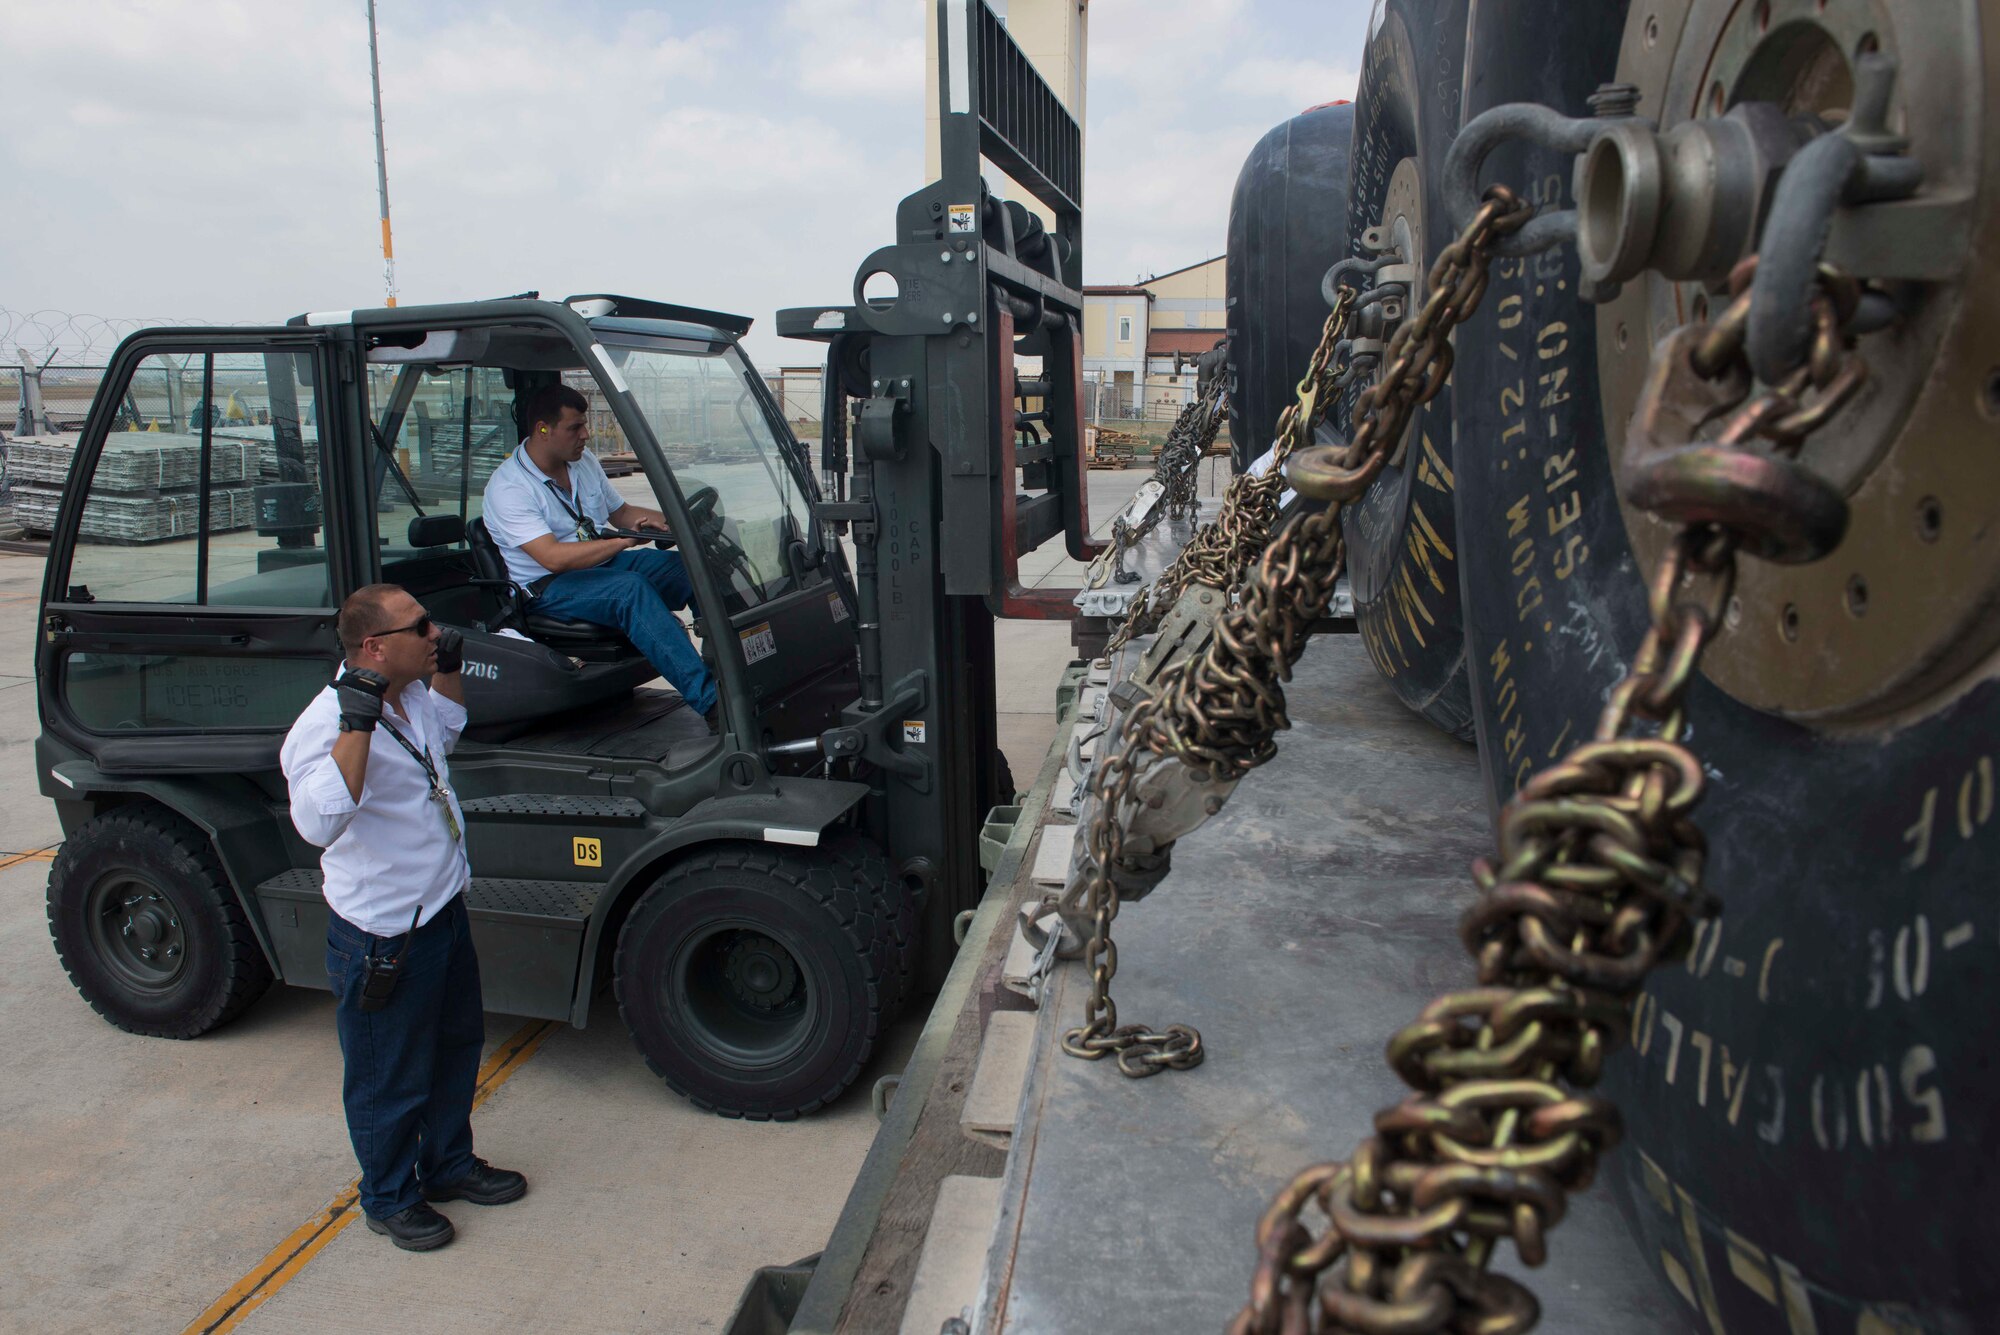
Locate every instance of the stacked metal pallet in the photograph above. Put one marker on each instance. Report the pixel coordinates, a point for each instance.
(132, 520)
(145, 487)
(492, 442)
(264, 465)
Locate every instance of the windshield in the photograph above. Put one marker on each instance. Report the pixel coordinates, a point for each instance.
(741, 493)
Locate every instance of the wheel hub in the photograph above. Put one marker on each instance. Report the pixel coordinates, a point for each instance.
(761, 972)
(138, 933)
(1895, 622)
(1400, 232)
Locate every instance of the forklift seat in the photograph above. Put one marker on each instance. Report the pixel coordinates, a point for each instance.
(583, 639)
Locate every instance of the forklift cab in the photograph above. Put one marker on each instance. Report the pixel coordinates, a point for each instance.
(273, 521)
(710, 450)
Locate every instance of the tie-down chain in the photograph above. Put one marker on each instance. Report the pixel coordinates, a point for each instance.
(1222, 550)
(1210, 717)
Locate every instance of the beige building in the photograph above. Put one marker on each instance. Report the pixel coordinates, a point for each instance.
(1140, 342)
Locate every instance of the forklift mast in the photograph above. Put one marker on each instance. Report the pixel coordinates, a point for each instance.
(958, 462)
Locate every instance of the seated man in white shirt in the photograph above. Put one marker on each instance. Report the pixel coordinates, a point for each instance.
(544, 507)
(365, 768)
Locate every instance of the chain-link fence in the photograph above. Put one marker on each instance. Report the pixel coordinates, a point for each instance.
(66, 352)
(1157, 398)
(66, 395)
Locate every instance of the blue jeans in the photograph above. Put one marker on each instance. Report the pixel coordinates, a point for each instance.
(638, 591)
(411, 1066)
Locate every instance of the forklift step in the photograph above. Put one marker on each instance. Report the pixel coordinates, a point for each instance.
(529, 936)
(556, 809)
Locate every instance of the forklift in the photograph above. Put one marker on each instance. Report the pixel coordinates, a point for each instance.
(763, 902)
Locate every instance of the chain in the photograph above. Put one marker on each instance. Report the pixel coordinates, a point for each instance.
(1175, 469)
(1597, 873)
(1217, 712)
(1187, 443)
(1221, 551)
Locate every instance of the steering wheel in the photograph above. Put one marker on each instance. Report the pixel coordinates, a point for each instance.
(705, 513)
(704, 507)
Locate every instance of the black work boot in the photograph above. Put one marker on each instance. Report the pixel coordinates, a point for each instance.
(417, 1229)
(484, 1185)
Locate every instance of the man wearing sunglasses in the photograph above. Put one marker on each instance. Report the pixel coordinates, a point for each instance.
(365, 768)
(545, 506)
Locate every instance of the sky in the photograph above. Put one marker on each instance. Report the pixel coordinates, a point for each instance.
(215, 159)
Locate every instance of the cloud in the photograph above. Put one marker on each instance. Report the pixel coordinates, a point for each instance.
(1181, 90)
(852, 48)
(1167, 45)
(216, 161)
(1297, 84)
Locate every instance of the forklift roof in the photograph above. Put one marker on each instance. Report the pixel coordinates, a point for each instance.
(595, 307)
(598, 304)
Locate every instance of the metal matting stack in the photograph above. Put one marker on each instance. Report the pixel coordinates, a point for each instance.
(492, 442)
(130, 520)
(133, 462)
(145, 488)
(265, 450)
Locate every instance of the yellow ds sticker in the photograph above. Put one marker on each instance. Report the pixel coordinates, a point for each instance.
(587, 852)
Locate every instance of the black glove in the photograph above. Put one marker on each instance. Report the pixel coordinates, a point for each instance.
(361, 693)
(450, 650)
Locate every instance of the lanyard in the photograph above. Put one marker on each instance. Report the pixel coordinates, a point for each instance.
(585, 528)
(439, 793)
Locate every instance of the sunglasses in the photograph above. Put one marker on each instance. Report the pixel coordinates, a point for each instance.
(422, 626)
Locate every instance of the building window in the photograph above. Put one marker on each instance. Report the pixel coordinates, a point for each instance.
(1124, 329)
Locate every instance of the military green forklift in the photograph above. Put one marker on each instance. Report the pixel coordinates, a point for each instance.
(762, 903)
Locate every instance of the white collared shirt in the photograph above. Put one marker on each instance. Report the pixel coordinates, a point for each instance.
(391, 852)
(522, 503)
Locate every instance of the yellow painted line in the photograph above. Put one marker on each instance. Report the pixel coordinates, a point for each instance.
(32, 855)
(284, 1262)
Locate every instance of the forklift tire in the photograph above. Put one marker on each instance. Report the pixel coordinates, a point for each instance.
(1402, 538)
(898, 916)
(148, 928)
(751, 980)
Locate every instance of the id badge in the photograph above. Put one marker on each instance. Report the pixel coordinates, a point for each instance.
(443, 799)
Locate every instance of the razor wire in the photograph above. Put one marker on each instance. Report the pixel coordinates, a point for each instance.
(75, 338)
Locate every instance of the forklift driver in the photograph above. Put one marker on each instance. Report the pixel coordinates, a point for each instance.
(544, 507)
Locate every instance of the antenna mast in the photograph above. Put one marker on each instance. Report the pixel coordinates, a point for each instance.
(381, 163)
